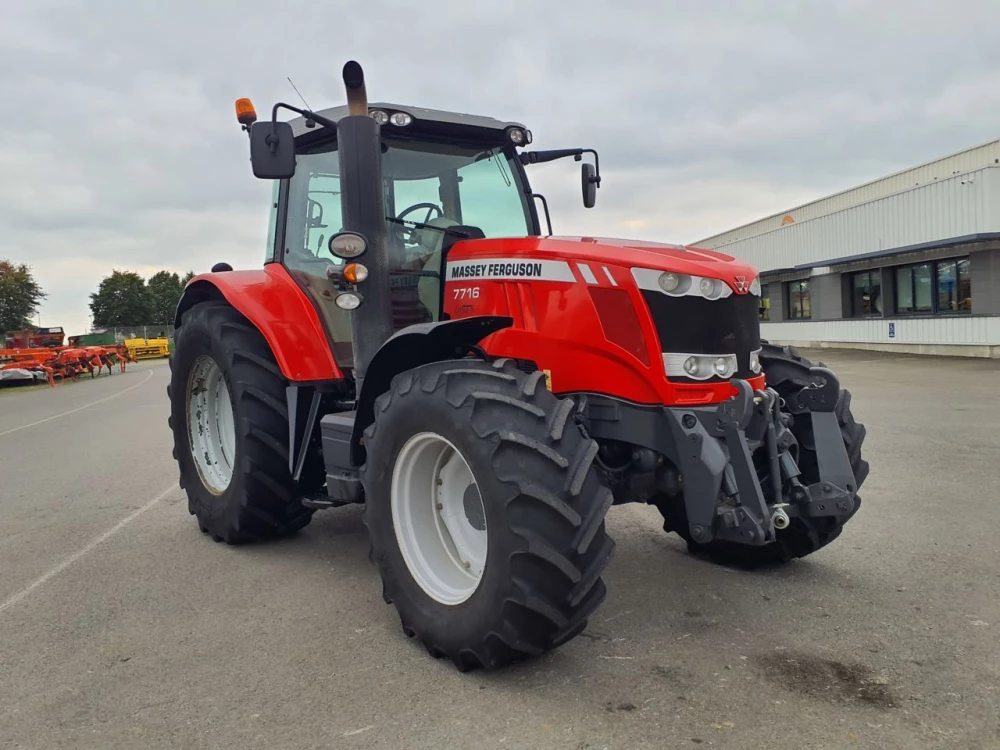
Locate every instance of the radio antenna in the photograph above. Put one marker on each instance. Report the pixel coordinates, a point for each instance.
(299, 93)
(309, 123)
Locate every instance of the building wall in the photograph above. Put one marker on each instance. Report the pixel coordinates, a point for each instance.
(958, 206)
(937, 170)
(827, 296)
(985, 273)
(976, 333)
(959, 335)
(947, 208)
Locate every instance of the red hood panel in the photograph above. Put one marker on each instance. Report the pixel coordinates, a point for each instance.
(627, 253)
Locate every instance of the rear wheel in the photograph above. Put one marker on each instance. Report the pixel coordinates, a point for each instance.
(485, 512)
(788, 373)
(229, 420)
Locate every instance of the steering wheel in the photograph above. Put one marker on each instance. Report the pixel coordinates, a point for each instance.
(406, 233)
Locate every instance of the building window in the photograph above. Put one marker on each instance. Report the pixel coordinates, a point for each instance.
(799, 305)
(954, 289)
(764, 304)
(928, 288)
(866, 293)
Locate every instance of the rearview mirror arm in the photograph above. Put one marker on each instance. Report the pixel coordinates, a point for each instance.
(324, 121)
(540, 157)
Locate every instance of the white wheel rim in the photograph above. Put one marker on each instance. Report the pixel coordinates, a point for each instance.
(437, 513)
(211, 427)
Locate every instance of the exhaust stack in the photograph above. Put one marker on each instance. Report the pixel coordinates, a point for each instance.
(357, 96)
(359, 145)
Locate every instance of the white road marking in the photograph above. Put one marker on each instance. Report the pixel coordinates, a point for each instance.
(79, 408)
(42, 580)
(359, 731)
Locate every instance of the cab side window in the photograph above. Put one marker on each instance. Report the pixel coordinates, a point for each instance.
(314, 215)
(272, 222)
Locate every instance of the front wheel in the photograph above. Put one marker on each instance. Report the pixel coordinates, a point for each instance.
(485, 512)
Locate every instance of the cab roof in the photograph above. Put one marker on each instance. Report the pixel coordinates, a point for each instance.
(450, 123)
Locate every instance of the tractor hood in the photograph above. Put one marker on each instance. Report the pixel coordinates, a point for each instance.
(619, 252)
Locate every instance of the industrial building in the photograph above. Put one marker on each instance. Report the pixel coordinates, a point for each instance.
(907, 263)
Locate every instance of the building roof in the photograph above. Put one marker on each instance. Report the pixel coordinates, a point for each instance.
(967, 160)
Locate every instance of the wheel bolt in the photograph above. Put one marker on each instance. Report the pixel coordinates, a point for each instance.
(439, 506)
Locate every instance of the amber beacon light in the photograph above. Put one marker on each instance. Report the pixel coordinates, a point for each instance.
(245, 113)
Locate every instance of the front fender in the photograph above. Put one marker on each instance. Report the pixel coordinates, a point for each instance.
(271, 300)
(412, 347)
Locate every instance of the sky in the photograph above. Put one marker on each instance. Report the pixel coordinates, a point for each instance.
(120, 147)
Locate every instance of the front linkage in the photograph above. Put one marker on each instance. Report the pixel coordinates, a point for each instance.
(724, 497)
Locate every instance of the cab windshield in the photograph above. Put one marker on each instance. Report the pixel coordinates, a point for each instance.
(437, 185)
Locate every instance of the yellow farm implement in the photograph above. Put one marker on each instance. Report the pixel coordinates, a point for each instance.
(148, 348)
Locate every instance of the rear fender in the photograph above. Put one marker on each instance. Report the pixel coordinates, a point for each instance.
(412, 347)
(271, 300)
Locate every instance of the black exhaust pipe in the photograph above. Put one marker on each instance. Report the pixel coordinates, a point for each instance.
(359, 144)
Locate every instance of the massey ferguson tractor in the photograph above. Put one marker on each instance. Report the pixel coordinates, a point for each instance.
(415, 344)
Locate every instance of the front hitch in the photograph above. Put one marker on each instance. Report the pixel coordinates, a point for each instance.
(723, 497)
(748, 520)
(833, 494)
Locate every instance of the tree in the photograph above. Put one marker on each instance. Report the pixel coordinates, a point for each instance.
(122, 299)
(165, 289)
(20, 296)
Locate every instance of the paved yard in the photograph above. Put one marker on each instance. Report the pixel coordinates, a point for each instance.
(121, 626)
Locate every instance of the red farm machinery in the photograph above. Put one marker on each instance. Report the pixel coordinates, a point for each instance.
(415, 344)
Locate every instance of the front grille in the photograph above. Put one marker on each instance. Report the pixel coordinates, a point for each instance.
(694, 325)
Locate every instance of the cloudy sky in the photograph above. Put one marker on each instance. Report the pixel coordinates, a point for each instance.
(121, 150)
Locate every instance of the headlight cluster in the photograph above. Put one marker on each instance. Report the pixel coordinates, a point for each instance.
(700, 366)
(677, 284)
(707, 366)
(348, 246)
(681, 285)
(519, 136)
(399, 119)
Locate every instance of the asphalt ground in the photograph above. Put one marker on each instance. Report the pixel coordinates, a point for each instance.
(122, 626)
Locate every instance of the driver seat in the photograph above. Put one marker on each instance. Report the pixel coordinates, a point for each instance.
(430, 241)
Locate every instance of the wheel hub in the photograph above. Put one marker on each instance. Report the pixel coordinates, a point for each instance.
(211, 426)
(439, 518)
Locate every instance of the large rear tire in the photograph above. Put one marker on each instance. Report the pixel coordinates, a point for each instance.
(787, 372)
(229, 419)
(484, 445)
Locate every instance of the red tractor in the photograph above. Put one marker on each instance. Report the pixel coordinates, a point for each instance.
(416, 345)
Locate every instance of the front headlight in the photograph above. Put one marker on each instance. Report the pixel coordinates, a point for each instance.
(699, 366)
(669, 282)
(755, 366)
(755, 287)
(724, 367)
(710, 288)
(675, 284)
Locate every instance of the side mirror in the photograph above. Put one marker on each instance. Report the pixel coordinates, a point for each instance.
(272, 150)
(588, 178)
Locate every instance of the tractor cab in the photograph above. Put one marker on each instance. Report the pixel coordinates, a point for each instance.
(444, 177)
